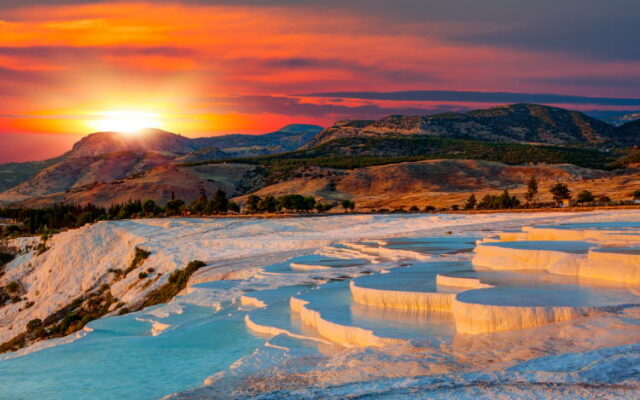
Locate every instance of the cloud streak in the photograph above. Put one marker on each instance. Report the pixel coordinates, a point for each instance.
(479, 97)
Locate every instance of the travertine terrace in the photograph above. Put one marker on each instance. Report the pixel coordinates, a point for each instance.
(515, 280)
(384, 302)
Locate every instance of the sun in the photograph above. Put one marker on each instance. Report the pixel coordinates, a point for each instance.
(125, 121)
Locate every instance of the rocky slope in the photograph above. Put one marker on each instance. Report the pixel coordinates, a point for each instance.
(107, 157)
(160, 184)
(529, 123)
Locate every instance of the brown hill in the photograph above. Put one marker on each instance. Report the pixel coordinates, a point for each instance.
(160, 184)
(435, 182)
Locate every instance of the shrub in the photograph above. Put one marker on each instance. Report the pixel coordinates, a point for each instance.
(585, 197)
(13, 287)
(6, 258)
(34, 324)
(142, 275)
(138, 258)
(176, 282)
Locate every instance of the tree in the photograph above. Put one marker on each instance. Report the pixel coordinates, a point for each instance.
(604, 199)
(636, 195)
(532, 190)
(149, 207)
(199, 205)
(348, 205)
(269, 204)
(471, 202)
(293, 202)
(309, 203)
(86, 217)
(174, 206)
(219, 203)
(503, 201)
(414, 209)
(253, 203)
(585, 197)
(234, 207)
(560, 192)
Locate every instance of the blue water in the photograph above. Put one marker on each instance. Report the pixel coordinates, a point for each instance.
(121, 361)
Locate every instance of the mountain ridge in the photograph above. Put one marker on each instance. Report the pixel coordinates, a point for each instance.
(167, 144)
(525, 123)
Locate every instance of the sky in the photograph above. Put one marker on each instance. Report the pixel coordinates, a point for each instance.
(210, 67)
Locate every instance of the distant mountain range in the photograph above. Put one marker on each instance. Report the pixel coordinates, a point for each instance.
(108, 167)
(615, 118)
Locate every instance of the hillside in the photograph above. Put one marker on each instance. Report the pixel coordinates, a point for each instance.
(524, 123)
(110, 167)
(160, 184)
(108, 156)
(438, 182)
(629, 133)
(12, 174)
(360, 152)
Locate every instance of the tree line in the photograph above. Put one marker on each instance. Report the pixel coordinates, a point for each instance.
(560, 193)
(48, 220)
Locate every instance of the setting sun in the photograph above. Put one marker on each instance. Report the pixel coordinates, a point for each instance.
(125, 121)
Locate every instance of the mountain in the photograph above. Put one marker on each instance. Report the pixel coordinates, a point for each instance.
(159, 183)
(108, 156)
(615, 118)
(158, 141)
(77, 171)
(288, 138)
(629, 133)
(147, 140)
(524, 123)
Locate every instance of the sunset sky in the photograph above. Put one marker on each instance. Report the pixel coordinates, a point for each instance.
(202, 68)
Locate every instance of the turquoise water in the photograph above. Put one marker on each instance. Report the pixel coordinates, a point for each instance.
(120, 360)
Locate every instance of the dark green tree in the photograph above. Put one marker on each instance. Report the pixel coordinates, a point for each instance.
(149, 207)
(585, 197)
(219, 204)
(253, 203)
(269, 204)
(560, 192)
(532, 190)
(174, 206)
(471, 202)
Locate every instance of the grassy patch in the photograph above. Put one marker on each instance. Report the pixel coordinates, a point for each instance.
(176, 282)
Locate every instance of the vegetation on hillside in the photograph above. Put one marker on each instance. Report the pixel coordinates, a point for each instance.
(176, 282)
(361, 152)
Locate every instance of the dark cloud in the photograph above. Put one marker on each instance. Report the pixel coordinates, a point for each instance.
(594, 29)
(591, 81)
(372, 71)
(478, 97)
(292, 106)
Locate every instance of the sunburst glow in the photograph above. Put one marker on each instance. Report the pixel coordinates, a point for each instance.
(125, 121)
